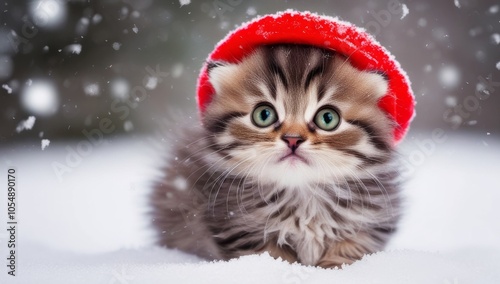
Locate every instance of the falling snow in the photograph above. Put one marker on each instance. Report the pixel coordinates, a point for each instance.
(45, 143)
(135, 14)
(7, 88)
(457, 4)
(48, 13)
(406, 11)
(180, 183)
(96, 19)
(494, 9)
(475, 31)
(135, 29)
(73, 48)
(449, 76)
(498, 65)
(451, 101)
(177, 70)
(422, 22)
(483, 88)
(251, 11)
(40, 98)
(26, 124)
(116, 45)
(82, 26)
(151, 83)
(91, 89)
(120, 89)
(128, 126)
(184, 2)
(6, 67)
(495, 38)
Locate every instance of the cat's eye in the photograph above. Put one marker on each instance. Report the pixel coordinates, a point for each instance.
(327, 119)
(264, 115)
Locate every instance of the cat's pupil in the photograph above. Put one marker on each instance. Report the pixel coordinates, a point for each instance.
(327, 117)
(264, 114)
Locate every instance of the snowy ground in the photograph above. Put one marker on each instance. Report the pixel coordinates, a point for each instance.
(90, 225)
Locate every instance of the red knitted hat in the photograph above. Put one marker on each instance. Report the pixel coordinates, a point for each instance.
(363, 51)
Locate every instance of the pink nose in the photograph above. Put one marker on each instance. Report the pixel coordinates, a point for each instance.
(293, 141)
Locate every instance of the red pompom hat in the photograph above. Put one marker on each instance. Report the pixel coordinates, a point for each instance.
(363, 51)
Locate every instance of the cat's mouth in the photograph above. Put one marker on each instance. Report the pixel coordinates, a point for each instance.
(293, 157)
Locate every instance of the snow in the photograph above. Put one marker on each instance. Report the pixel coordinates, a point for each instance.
(92, 226)
(184, 2)
(82, 26)
(26, 124)
(495, 38)
(457, 3)
(177, 70)
(449, 76)
(45, 143)
(135, 14)
(116, 45)
(251, 11)
(7, 88)
(48, 13)
(151, 82)
(96, 19)
(494, 9)
(73, 48)
(498, 65)
(120, 88)
(40, 98)
(135, 29)
(451, 101)
(422, 22)
(156, 266)
(406, 11)
(128, 126)
(6, 67)
(91, 89)
(180, 183)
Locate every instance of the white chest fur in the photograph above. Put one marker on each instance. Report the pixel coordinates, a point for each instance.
(311, 226)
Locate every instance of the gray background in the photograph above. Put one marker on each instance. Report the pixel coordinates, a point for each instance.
(444, 49)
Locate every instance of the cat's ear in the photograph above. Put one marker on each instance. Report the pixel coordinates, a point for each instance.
(220, 73)
(379, 83)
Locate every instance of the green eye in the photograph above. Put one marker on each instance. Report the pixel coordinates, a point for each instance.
(327, 119)
(264, 115)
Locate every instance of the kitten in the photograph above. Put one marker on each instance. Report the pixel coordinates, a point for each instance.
(294, 158)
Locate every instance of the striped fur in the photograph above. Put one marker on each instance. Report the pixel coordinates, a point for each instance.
(341, 200)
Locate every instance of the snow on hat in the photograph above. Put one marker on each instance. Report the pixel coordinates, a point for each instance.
(293, 27)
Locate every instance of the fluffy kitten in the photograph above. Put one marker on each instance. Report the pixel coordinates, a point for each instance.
(294, 158)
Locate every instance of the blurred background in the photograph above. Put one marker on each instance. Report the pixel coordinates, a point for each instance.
(70, 64)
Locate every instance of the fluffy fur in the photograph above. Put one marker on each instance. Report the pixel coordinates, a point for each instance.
(231, 192)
